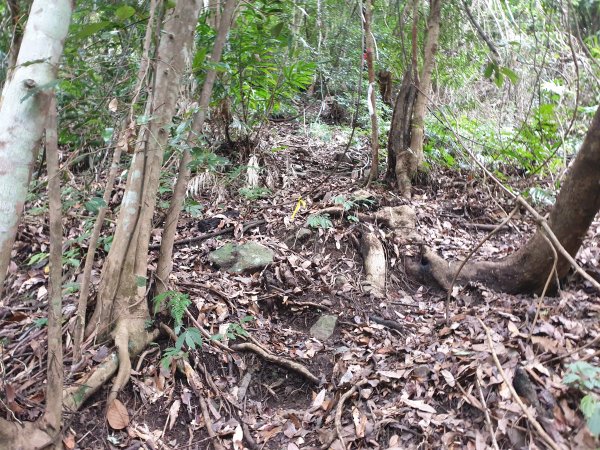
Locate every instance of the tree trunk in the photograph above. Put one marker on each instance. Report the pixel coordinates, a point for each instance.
(410, 157)
(23, 111)
(122, 143)
(527, 270)
(121, 306)
(370, 44)
(165, 258)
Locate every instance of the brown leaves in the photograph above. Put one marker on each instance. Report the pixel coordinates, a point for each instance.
(117, 415)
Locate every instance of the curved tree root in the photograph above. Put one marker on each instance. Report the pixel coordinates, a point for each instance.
(76, 395)
(283, 362)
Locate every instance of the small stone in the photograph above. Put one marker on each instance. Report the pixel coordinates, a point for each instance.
(324, 327)
(238, 258)
(300, 236)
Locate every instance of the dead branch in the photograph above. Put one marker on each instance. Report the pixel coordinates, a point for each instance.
(202, 237)
(486, 412)
(278, 360)
(546, 438)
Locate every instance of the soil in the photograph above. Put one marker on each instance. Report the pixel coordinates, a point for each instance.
(425, 382)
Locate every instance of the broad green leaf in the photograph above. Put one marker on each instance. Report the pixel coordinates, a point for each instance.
(511, 75)
(92, 28)
(124, 12)
(594, 421)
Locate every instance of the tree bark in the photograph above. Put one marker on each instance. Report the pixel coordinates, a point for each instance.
(527, 270)
(122, 143)
(23, 111)
(55, 370)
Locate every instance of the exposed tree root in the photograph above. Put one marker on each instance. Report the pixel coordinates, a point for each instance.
(375, 263)
(283, 362)
(84, 388)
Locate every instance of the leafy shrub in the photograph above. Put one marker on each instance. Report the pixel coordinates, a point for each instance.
(587, 378)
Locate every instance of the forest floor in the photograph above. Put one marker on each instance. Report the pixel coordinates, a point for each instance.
(412, 380)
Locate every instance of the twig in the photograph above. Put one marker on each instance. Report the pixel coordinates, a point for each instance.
(572, 352)
(541, 300)
(340, 409)
(283, 362)
(205, 236)
(545, 437)
(486, 412)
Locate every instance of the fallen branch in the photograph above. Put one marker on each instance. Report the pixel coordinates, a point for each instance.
(486, 412)
(548, 280)
(205, 236)
(282, 362)
(545, 437)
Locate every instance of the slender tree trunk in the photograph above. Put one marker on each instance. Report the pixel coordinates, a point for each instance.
(165, 259)
(54, 388)
(121, 306)
(23, 111)
(527, 270)
(370, 41)
(410, 158)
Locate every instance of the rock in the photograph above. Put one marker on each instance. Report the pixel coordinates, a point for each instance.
(299, 237)
(397, 217)
(363, 197)
(238, 258)
(324, 327)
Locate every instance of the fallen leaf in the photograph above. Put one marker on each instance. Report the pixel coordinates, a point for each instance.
(173, 413)
(238, 437)
(418, 404)
(117, 415)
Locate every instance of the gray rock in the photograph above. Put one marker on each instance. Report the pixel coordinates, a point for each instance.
(324, 327)
(300, 236)
(238, 258)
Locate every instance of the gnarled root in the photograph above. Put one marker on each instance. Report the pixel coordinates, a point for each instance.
(375, 263)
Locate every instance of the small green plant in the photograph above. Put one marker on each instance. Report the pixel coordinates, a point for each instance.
(41, 322)
(319, 221)
(254, 193)
(177, 303)
(586, 377)
(234, 330)
(541, 196)
(192, 207)
(37, 257)
(346, 204)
